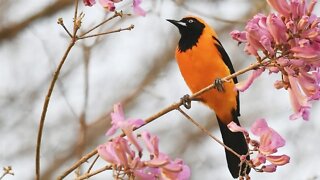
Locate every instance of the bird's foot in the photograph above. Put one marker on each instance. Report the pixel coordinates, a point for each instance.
(218, 84)
(186, 101)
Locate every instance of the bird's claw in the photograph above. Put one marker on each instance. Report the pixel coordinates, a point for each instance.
(186, 101)
(218, 84)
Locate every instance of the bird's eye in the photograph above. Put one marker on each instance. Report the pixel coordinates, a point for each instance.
(190, 21)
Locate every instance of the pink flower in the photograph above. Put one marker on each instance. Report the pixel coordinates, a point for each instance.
(281, 6)
(287, 42)
(119, 152)
(244, 85)
(89, 2)
(116, 151)
(298, 8)
(270, 140)
(137, 9)
(276, 28)
(119, 122)
(299, 101)
(239, 36)
(152, 142)
(268, 144)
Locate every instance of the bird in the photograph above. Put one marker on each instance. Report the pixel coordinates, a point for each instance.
(202, 60)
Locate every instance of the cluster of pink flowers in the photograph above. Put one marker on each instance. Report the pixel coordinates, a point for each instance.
(124, 158)
(109, 5)
(268, 144)
(287, 42)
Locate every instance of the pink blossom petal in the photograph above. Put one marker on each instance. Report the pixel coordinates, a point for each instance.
(89, 2)
(120, 151)
(107, 152)
(269, 168)
(279, 160)
(270, 141)
(236, 128)
(260, 159)
(279, 84)
(276, 28)
(259, 127)
(147, 173)
(298, 8)
(152, 142)
(131, 137)
(137, 9)
(108, 5)
(135, 123)
(185, 173)
(303, 112)
(156, 162)
(266, 43)
(239, 36)
(244, 85)
(172, 170)
(281, 6)
(299, 101)
(311, 6)
(303, 22)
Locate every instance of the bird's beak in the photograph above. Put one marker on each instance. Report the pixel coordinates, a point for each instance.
(179, 24)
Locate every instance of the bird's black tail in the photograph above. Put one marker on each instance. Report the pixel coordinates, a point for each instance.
(237, 142)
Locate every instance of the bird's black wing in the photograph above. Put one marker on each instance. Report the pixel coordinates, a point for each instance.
(227, 61)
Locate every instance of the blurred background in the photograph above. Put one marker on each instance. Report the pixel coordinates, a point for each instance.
(138, 69)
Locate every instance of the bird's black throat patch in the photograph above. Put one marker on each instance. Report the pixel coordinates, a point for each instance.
(190, 33)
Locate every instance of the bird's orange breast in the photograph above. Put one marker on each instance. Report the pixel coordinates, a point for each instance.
(200, 66)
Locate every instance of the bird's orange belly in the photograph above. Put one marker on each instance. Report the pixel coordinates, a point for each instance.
(199, 71)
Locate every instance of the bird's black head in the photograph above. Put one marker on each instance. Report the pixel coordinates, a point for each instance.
(190, 29)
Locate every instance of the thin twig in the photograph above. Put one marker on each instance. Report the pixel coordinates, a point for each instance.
(60, 21)
(92, 164)
(206, 131)
(116, 14)
(75, 17)
(6, 171)
(45, 107)
(87, 175)
(109, 32)
(82, 160)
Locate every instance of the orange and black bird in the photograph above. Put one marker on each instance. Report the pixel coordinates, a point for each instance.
(202, 61)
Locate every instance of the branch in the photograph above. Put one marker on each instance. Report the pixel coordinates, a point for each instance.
(45, 107)
(164, 111)
(76, 26)
(6, 171)
(207, 132)
(87, 175)
(76, 165)
(109, 32)
(116, 14)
